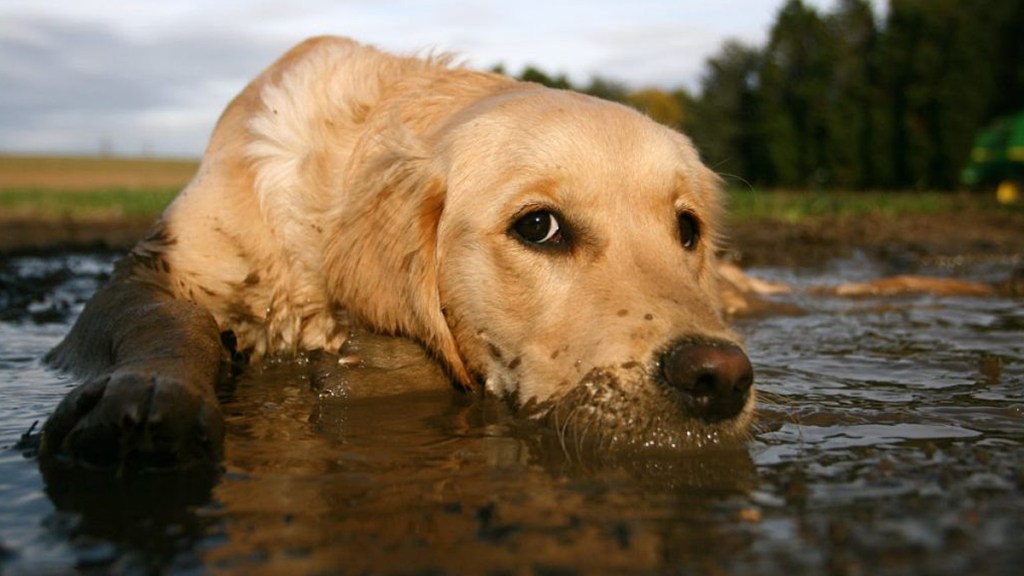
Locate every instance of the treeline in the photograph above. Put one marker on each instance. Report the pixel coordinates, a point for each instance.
(848, 99)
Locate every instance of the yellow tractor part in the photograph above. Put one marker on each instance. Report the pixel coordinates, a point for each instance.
(1008, 192)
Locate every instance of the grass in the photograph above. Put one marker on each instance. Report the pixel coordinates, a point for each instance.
(102, 203)
(49, 187)
(796, 206)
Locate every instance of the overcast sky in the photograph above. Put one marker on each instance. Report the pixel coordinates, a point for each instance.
(150, 77)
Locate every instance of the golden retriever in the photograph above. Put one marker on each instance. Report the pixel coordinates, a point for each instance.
(552, 248)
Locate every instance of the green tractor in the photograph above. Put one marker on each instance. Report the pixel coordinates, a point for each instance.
(997, 159)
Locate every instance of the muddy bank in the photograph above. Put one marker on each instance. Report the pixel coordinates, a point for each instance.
(31, 235)
(971, 236)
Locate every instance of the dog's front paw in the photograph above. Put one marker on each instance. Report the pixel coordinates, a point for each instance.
(136, 416)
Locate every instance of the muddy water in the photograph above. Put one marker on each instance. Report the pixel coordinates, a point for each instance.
(890, 441)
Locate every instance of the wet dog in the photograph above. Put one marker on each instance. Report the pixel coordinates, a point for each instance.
(549, 247)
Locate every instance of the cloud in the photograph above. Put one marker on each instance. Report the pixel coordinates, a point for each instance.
(153, 76)
(69, 82)
(663, 55)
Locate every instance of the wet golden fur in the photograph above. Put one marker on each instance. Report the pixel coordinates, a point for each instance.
(348, 181)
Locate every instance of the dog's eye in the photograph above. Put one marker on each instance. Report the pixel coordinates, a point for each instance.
(689, 230)
(540, 227)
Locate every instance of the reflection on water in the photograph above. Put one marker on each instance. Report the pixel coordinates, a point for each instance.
(889, 441)
(434, 479)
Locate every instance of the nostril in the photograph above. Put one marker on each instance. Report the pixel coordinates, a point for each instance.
(714, 377)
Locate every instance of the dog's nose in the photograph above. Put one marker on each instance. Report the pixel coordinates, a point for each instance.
(714, 377)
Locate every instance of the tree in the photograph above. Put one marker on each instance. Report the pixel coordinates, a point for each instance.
(724, 125)
(1008, 62)
(659, 105)
(952, 66)
(533, 74)
(855, 118)
(688, 103)
(795, 97)
(607, 89)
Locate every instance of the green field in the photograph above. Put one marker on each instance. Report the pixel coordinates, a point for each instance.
(795, 206)
(81, 187)
(89, 203)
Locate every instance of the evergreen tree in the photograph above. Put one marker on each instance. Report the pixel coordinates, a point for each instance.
(607, 89)
(724, 124)
(857, 96)
(795, 98)
(1007, 22)
(941, 59)
(534, 74)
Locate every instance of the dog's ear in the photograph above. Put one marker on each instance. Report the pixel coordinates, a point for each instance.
(381, 259)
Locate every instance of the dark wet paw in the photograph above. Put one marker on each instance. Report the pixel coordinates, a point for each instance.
(135, 417)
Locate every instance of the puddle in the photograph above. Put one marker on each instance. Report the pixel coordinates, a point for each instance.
(890, 440)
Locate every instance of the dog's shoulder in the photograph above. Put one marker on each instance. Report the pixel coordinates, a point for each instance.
(246, 238)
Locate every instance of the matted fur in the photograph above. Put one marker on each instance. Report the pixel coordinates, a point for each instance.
(344, 180)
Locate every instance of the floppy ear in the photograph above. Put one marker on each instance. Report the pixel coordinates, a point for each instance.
(381, 258)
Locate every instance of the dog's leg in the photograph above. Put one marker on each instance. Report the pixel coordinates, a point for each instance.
(149, 364)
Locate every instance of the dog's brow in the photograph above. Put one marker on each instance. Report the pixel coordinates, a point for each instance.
(689, 193)
(547, 188)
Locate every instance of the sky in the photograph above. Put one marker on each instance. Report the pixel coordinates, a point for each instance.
(150, 77)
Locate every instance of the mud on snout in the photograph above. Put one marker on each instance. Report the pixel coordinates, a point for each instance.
(696, 392)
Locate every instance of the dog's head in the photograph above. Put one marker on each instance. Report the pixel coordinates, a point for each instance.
(560, 250)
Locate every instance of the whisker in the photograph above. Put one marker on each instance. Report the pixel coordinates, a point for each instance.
(567, 429)
(581, 437)
(562, 428)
